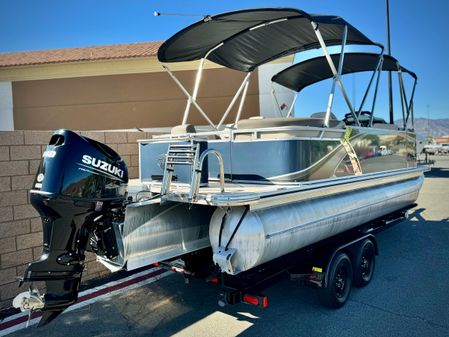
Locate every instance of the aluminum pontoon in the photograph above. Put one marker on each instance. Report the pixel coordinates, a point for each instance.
(253, 190)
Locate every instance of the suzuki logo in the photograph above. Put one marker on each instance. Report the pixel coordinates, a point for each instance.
(102, 165)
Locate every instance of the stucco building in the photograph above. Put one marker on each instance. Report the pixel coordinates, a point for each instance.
(118, 87)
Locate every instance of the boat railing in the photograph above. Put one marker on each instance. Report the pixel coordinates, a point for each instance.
(188, 154)
(196, 175)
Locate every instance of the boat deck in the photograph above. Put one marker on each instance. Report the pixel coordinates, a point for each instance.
(264, 195)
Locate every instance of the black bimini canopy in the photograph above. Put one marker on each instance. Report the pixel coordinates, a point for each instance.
(248, 38)
(301, 75)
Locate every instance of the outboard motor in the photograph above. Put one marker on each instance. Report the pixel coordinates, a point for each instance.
(79, 190)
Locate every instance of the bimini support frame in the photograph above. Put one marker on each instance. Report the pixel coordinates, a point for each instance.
(411, 107)
(376, 71)
(196, 86)
(376, 89)
(404, 104)
(191, 99)
(289, 113)
(242, 102)
(243, 87)
(407, 105)
(337, 74)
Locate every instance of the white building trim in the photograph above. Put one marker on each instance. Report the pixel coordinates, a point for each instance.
(6, 107)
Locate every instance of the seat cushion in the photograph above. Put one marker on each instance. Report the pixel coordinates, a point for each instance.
(183, 129)
(279, 122)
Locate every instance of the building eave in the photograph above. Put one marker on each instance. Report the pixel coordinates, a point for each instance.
(132, 65)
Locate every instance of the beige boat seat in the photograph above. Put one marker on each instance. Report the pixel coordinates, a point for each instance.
(183, 129)
(260, 122)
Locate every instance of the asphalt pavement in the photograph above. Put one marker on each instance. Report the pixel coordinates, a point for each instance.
(409, 295)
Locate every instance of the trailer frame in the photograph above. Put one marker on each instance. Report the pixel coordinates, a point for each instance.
(312, 266)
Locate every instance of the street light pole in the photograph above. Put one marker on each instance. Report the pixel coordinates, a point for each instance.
(390, 90)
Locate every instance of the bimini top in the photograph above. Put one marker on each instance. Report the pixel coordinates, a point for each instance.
(301, 75)
(245, 39)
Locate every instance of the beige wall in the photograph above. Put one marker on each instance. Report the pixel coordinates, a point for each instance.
(20, 226)
(125, 101)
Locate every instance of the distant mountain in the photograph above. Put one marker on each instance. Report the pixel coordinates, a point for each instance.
(437, 127)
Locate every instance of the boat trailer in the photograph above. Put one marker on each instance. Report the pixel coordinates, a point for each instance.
(331, 266)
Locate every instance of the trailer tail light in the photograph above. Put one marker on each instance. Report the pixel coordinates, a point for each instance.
(250, 300)
(214, 279)
(265, 302)
(261, 301)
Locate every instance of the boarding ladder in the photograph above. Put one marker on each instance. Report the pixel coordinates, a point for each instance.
(188, 154)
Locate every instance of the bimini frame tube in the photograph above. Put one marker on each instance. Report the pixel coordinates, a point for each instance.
(234, 99)
(289, 113)
(199, 74)
(375, 95)
(402, 94)
(195, 92)
(242, 102)
(411, 106)
(407, 103)
(337, 74)
(192, 101)
(378, 68)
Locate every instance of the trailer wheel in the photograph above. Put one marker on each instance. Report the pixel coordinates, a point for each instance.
(364, 264)
(336, 293)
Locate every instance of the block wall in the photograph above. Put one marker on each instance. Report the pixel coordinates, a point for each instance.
(20, 225)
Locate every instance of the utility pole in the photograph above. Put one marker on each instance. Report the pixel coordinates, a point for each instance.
(390, 89)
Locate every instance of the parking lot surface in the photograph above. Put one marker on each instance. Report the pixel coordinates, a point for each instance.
(409, 295)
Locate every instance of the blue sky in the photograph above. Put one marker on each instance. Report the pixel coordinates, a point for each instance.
(420, 32)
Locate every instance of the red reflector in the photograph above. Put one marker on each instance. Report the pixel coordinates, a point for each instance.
(214, 279)
(265, 302)
(312, 277)
(250, 299)
(156, 264)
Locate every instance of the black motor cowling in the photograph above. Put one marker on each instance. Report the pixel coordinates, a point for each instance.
(78, 184)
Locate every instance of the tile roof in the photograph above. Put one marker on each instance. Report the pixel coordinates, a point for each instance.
(115, 51)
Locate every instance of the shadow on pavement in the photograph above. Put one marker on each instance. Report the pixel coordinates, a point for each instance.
(437, 172)
(417, 215)
(170, 306)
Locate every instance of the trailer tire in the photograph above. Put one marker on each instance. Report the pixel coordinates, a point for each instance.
(365, 262)
(336, 292)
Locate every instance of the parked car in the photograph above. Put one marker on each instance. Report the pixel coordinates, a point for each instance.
(444, 148)
(432, 148)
